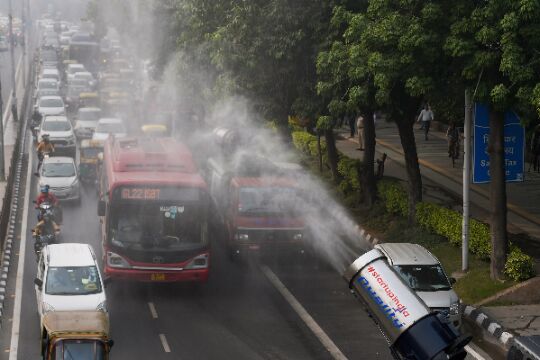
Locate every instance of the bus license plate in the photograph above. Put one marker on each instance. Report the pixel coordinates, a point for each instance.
(157, 277)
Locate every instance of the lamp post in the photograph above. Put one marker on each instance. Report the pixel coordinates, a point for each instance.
(12, 55)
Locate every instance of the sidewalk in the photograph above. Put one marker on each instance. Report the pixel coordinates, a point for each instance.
(437, 173)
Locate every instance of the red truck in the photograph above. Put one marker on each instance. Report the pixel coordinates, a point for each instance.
(258, 200)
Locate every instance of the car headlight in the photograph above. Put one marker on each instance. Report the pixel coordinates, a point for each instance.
(454, 309)
(241, 237)
(102, 306)
(198, 262)
(47, 308)
(71, 141)
(75, 183)
(298, 236)
(116, 261)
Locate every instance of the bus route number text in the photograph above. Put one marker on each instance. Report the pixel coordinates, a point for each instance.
(140, 194)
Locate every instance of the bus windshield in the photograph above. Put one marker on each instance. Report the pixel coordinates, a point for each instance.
(157, 226)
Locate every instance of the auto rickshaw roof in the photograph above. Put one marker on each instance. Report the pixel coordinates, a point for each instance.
(76, 322)
(90, 143)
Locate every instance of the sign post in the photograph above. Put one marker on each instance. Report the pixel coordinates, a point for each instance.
(514, 146)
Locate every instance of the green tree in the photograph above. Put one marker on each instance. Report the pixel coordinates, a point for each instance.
(403, 49)
(347, 85)
(496, 43)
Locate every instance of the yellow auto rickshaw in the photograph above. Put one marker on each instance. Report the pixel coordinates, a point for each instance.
(89, 99)
(89, 160)
(76, 335)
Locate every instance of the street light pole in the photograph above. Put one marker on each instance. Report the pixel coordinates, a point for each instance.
(2, 167)
(13, 84)
(466, 181)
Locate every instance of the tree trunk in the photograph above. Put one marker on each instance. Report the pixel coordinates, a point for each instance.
(406, 135)
(367, 175)
(319, 151)
(332, 154)
(497, 190)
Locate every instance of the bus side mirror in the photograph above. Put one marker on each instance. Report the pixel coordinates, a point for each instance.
(110, 343)
(101, 208)
(452, 280)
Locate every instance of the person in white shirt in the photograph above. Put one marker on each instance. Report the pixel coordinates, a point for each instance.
(426, 116)
(360, 129)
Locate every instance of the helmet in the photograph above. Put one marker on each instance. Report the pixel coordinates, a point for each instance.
(45, 189)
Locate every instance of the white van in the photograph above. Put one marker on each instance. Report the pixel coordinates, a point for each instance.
(68, 279)
(423, 273)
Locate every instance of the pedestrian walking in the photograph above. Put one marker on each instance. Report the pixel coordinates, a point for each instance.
(360, 129)
(350, 119)
(426, 116)
(535, 149)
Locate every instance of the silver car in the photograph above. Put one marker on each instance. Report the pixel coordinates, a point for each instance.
(423, 273)
(60, 173)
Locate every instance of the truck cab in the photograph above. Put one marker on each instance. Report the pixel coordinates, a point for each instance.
(76, 335)
(259, 204)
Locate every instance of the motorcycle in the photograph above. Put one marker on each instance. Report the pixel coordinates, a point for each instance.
(41, 156)
(47, 236)
(46, 209)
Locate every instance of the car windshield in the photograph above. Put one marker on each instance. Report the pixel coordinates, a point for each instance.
(47, 85)
(75, 69)
(56, 126)
(89, 115)
(158, 226)
(55, 103)
(72, 280)
(78, 82)
(49, 56)
(58, 170)
(84, 76)
(264, 200)
(424, 277)
(78, 350)
(110, 128)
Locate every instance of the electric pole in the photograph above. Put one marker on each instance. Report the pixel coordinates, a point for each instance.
(11, 48)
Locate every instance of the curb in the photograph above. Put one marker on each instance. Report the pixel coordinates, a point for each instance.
(483, 321)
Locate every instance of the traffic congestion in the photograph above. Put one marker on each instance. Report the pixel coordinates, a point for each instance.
(154, 233)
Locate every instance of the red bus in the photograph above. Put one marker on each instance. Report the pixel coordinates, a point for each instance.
(154, 208)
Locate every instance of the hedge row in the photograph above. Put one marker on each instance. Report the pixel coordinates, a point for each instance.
(446, 222)
(434, 218)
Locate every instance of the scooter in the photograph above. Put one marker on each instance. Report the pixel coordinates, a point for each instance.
(50, 236)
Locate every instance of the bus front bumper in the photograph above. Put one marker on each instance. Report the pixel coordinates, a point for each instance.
(188, 275)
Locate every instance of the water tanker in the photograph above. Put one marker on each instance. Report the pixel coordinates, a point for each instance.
(412, 331)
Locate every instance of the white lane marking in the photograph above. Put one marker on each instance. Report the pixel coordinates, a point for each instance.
(15, 327)
(474, 353)
(152, 310)
(304, 315)
(164, 342)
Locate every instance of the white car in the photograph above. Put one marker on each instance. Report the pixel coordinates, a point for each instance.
(68, 279)
(51, 105)
(107, 126)
(72, 69)
(85, 75)
(47, 87)
(60, 134)
(87, 121)
(423, 273)
(50, 73)
(60, 173)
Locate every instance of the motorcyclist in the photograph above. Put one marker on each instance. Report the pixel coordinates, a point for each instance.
(41, 226)
(36, 121)
(45, 146)
(45, 196)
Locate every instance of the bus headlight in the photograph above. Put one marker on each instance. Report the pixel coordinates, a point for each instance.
(116, 261)
(298, 236)
(241, 237)
(47, 308)
(198, 262)
(102, 306)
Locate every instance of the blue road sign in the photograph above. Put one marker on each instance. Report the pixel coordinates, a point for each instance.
(514, 146)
